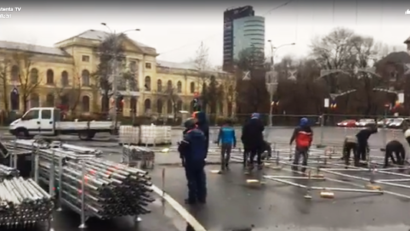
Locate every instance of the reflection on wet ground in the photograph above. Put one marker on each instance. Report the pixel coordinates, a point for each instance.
(232, 205)
(162, 218)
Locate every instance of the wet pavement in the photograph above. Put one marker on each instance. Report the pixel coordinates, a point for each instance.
(233, 205)
(161, 218)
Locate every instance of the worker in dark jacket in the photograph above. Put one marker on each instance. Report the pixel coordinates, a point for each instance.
(349, 146)
(202, 124)
(227, 141)
(397, 148)
(303, 137)
(252, 138)
(362, 138)
(193, 153)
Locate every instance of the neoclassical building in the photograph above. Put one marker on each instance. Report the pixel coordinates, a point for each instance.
(62, 76)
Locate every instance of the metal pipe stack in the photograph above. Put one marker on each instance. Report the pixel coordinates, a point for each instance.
(23, 203)
(132, 155)
(90, 185)
(7, 172)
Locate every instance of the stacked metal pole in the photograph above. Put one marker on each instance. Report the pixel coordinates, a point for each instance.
(91, 186)
(22, 202)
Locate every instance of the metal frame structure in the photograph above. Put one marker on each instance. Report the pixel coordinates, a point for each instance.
(13, 155)
(56, 157)
(325, 165)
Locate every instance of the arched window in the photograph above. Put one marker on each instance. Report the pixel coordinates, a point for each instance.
(169, 85)
(34, 76)
(147, 84)
(147, 105)
(50, 100)
(179, 87)
(169, 107)
(85, 102)
(192, 87)
(85, 76)
(64, 79)
(65, 101)
(15, 72)
(34, 100)
(50, 77)
(159, 85)
(179, 105)
(133, 105)
(159, 106)
(15, 99)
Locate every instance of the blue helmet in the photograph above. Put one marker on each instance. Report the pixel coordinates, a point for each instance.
(255, 115)
(303, 122)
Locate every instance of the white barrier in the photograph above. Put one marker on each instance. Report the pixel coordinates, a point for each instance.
(145, 134)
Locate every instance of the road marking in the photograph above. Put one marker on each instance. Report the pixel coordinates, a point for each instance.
(180, 209)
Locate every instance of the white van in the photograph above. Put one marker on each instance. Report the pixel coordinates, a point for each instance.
(46, 121)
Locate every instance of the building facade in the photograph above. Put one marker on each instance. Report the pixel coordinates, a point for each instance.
(32, 76)
(249, 33)
(228, 35)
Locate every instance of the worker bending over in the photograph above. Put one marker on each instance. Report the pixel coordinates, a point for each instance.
(193, 150)
(350, 145)
(303, 136)
(362, 140)
(396, 149)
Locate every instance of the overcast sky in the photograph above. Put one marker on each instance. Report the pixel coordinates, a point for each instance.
(177, 30)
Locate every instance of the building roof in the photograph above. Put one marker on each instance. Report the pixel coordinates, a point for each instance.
(33, 48)
(184, 65)
(407, 40)
(101, 35)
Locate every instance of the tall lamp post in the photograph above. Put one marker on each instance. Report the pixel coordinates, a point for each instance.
(271, 80)
(114, 65)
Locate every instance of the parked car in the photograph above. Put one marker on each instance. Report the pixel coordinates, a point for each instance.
(365, 122)
(347, 123)
(399, 123)
(381, 122)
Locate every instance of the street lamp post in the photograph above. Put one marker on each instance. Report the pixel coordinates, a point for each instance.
(270, 82)
(114, 66)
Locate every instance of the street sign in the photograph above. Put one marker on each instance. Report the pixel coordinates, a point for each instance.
(407, 68)
(400, 97)
(326, 102)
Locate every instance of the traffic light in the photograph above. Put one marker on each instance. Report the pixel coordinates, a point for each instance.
(274, 103)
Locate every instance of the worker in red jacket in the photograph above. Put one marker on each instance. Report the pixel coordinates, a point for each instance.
(303, 137)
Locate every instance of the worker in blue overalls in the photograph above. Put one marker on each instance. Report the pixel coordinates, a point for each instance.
(193, 150)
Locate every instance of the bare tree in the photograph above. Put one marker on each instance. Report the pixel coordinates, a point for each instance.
(202, 65)
(252, 95)
(28, 78)
(227, 89)
(169, 97)
(69, 93)
(110, 49)
(4, 69)
(349, 53)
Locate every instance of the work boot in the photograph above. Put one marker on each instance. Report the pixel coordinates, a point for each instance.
(190, 201)
(251, 167)
(260, 166)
